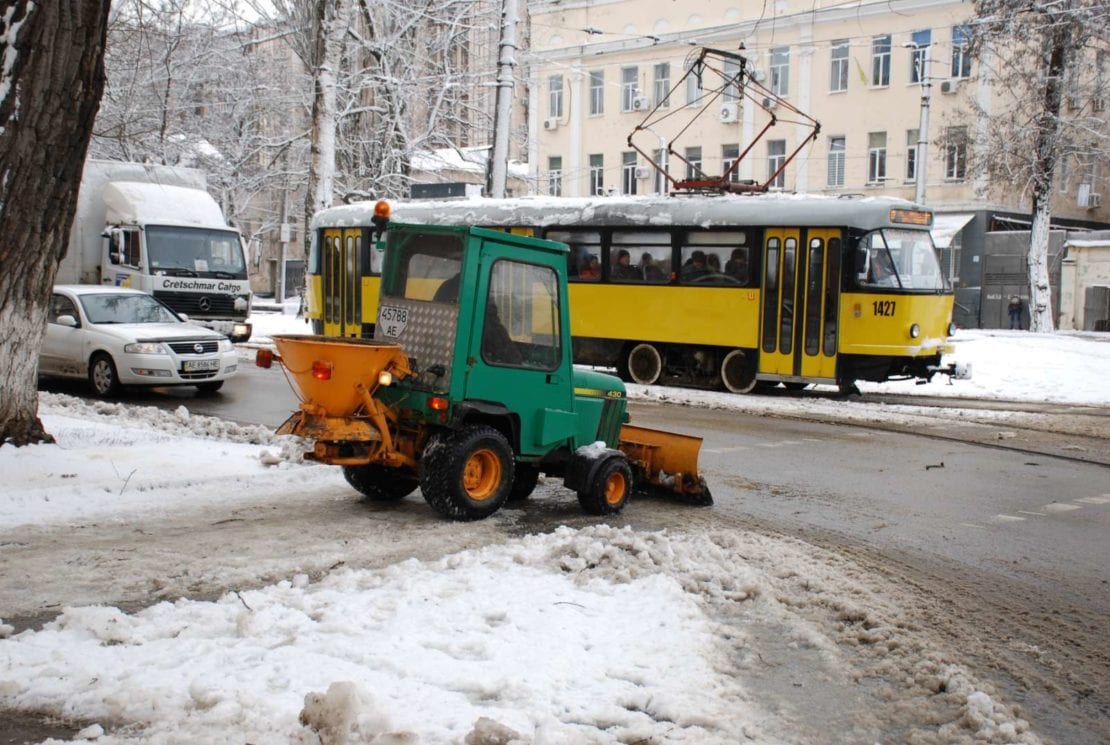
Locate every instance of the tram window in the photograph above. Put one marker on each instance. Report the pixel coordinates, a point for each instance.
(915, 259)
(584, 261)
(814, 280)
(786, 323)
(649, 256)
(831, 296)
(352, 279)
(771, 295)
(714, 258)
(874, 265)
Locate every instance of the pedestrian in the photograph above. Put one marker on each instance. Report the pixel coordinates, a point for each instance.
(1015, 312)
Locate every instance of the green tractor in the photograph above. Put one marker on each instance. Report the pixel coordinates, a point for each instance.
(467, 390)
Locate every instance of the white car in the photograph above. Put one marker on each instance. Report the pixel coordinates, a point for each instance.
(116, 336)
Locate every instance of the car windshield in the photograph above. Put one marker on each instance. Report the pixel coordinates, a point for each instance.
(125, 308)
(195, 252)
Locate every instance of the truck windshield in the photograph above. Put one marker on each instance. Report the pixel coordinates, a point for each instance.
(899, 258)
(195, 252)
(427, 266)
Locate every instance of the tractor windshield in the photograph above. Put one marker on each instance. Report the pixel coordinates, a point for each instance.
(426, 266)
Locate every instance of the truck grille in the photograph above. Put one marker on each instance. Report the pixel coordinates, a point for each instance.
(189, 347)
(219, 306)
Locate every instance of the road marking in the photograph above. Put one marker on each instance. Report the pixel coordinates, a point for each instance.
(727, 450)
(1060, 507)
(1104, 499)
(1007, 518)
(970, 525)
(1027, 512)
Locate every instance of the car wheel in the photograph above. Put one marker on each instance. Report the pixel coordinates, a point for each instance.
(103, 378)
(211, 387)
(467, 474)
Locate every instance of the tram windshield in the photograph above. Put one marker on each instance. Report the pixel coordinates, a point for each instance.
(904, 259)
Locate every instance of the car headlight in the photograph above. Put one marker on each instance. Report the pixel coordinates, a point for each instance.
(951, 328)
(225, 345)
(146, 347)
(915, 331)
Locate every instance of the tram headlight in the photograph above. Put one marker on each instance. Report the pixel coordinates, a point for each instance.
(951, 328)
(915, 331)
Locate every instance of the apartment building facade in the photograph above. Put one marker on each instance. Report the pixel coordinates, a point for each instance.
(599, 67)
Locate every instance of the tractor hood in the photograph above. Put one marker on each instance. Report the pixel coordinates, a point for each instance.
(590, 383)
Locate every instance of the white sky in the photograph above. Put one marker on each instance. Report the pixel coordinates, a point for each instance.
(599, 635)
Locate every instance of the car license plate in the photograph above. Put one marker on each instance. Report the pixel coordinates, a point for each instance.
(392, 320)
(199, 365)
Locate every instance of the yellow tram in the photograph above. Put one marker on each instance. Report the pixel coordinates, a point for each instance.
(730, 291)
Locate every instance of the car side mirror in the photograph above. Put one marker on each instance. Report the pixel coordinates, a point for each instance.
(67, 320)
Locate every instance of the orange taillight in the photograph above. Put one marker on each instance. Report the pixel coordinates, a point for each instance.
(321, 369)
(436, 403)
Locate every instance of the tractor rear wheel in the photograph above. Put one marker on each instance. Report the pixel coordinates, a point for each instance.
(380, 484)
(467, 474)
(609, 489)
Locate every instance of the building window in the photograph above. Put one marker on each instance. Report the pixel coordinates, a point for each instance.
(838, 73)
(597, 92)
(961, 59)
(694, 91)
(660, 158)
(911, 154)
(921, 42)
(776, 156)
(780, 71)
(880, 60)
(662, 88)
(555, 176)
(597, 174)
(628, 172)
(876, 157)
(729, 155)
(732, 80)
(693, 163)
(836, 161)
(955, 153)
(630, 82)
(555, 96)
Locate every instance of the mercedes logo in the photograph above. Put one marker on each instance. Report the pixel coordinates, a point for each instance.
(204, 304)
(198, 348)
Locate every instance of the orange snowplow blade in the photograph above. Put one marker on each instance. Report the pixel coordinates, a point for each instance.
(667, 461)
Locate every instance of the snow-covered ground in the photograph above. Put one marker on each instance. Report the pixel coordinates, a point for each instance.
(599, 635)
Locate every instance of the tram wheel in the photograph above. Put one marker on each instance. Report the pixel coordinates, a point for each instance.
(645, 364)
(736, 374)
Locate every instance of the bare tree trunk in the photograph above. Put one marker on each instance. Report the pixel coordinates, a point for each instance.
(331, 19)
(50, 86)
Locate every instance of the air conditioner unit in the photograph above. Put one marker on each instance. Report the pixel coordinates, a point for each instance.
(1093, 201)
(552, 123)
(643, 172)
(770, 103)
(948, 86)
(730, 112)
(641, 103)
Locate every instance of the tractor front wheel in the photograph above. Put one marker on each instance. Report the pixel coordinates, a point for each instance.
(608, 490)
(380, 484)
(467, 474)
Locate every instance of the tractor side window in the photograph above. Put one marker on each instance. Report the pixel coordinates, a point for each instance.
(428, 267)
(521, 326)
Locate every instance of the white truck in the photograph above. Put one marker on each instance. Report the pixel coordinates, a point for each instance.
(156, 229)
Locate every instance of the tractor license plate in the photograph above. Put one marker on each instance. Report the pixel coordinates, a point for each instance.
(198, 365)
(392, 320)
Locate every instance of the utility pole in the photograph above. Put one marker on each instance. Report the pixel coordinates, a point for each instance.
(921, 158)
(503, 114)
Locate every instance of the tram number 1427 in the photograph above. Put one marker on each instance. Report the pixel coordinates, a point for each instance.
(883, 307)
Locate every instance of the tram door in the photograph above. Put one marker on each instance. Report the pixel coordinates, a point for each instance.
(801, 289)
(342, 281)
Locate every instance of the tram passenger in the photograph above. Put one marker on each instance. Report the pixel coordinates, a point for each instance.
(694, 267)
(623, 269)
(737, 265)
(649, 270)
(591, 269)
(882, 272)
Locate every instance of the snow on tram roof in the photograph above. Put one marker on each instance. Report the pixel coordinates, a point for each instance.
(647, 211)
